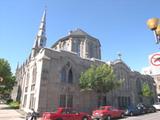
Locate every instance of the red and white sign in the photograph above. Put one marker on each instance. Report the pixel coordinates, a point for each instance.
(155, 59)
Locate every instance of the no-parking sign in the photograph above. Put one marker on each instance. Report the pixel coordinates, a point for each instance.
(155, 59)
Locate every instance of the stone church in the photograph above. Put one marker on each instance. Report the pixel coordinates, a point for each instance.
(49, 78)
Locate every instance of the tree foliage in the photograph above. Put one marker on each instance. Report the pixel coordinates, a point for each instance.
(8, 79)
(146, 91)
(101, 79)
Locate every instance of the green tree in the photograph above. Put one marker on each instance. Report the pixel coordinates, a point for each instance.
(146, 91)
(7, 79)
(100, 79)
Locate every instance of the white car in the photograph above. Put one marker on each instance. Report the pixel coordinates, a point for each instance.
(157, 106)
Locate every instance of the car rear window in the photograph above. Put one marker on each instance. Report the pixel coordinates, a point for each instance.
(102, 108)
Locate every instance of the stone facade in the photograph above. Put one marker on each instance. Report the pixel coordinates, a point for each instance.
(50, 76)
(81, 43)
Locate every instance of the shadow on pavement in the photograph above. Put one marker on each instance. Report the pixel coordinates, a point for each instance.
(6, 107)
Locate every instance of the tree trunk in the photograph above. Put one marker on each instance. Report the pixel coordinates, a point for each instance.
(100, 99)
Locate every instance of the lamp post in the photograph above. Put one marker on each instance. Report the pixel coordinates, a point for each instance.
(154, 25)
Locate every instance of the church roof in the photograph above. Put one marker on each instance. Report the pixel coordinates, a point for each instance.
(75, 33)
(121, 62)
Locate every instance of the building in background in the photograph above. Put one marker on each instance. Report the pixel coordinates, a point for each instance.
(154, 70)
(49, 78)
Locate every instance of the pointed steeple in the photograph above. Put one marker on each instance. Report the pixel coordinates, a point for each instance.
(17, 66)
(40, 40)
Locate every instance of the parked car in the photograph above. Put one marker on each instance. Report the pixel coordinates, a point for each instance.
(150, 108)
(107, 113)
(65, 114)
(142, 107)
(133, 110)
(146, 108)
(157, 105)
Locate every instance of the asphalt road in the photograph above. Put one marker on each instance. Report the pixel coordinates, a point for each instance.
(11, 114)
(149, 116)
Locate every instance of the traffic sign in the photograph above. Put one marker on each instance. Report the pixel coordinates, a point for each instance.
(155, 59)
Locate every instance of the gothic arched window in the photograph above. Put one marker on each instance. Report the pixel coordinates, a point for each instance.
(70, 76)
(91, 50)
(34, 74)
(65, 47)
(63, 75)
(78, 48)
(138, 85)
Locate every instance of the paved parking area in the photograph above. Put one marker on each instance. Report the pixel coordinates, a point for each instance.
(9, 114)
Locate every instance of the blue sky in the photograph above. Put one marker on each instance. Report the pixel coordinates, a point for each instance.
(120, 25)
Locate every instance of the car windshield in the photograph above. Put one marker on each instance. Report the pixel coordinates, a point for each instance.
(70, 111)
(106, 108)
(131, 107)
(55, 110)
(101, 108)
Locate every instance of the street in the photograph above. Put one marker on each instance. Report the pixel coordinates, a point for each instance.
(11, 114)
(149, 116)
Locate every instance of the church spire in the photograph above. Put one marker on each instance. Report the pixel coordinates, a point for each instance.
(40, 40)
(17, 66)
(41, 36)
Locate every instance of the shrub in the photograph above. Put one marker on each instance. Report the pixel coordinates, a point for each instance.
(9, 101)
(14, 104)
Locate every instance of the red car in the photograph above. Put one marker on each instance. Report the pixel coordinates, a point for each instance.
(65, 114)
(107, 113)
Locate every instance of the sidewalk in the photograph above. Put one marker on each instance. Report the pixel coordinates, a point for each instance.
(9, 114)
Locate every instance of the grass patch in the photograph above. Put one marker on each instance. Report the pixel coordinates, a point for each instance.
(14, 105)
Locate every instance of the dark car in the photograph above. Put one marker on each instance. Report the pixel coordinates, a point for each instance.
(142, 107)
(146, 108)
(150, 108)
(133, 110)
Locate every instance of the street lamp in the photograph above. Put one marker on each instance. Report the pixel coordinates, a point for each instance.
(153, 24)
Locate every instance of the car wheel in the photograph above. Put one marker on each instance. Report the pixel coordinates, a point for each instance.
(84, 118)
(108, 117)
(131, 113)
(122, 115)
(59, 119)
